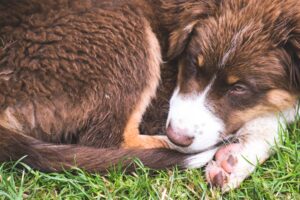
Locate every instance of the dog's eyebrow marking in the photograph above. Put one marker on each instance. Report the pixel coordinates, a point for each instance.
(236, 40)
(200, 60)
(232, 79)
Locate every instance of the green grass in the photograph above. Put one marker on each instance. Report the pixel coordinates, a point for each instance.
(278, 178)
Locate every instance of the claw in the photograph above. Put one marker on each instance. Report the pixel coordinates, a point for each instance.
(219, 180)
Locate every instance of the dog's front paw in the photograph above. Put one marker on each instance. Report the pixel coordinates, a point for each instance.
(228, 170)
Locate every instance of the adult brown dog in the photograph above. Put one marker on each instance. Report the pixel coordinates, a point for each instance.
(75, 80)
(239, 74)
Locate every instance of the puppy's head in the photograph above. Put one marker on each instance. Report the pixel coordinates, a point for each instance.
(238, 60)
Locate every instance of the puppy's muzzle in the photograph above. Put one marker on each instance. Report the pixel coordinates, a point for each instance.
(179, 137)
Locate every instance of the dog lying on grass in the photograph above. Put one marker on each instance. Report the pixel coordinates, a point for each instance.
(239, 76)
(78, 76)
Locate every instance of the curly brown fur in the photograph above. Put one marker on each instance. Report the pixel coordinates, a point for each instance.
(76, 77)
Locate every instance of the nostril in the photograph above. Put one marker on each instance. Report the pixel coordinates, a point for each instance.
(178, 137)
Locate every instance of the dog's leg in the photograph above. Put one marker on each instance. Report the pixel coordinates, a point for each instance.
(132, 137)
(235, 162)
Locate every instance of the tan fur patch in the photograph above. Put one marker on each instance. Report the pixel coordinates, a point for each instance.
(276, 102)
(200, 60)
(281, 99)
(232, 80)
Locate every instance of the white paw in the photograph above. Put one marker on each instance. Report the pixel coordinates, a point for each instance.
(229, 169)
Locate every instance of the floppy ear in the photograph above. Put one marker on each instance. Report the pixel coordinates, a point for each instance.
(179, 39)
(293, 46)
(180, 18)
(284, 21)
(292, 43)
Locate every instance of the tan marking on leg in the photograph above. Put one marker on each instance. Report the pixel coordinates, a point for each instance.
(132, 138)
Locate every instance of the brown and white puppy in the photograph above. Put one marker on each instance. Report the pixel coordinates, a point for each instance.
(239, 74)
(75, 80)
(77, 77)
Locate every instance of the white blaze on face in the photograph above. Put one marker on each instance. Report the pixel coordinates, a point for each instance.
(191, 115)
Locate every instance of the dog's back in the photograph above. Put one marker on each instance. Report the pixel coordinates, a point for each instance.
(79, 73)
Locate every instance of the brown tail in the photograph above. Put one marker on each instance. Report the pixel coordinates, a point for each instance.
(50, 157)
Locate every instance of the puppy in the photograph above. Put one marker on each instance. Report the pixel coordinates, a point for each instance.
(75, 80)
(239, 76)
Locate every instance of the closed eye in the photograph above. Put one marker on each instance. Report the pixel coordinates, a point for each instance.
(238, 89)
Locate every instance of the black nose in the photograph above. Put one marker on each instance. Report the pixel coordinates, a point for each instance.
(178, 137)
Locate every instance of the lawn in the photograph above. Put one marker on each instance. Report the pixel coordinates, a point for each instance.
(278, 178)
